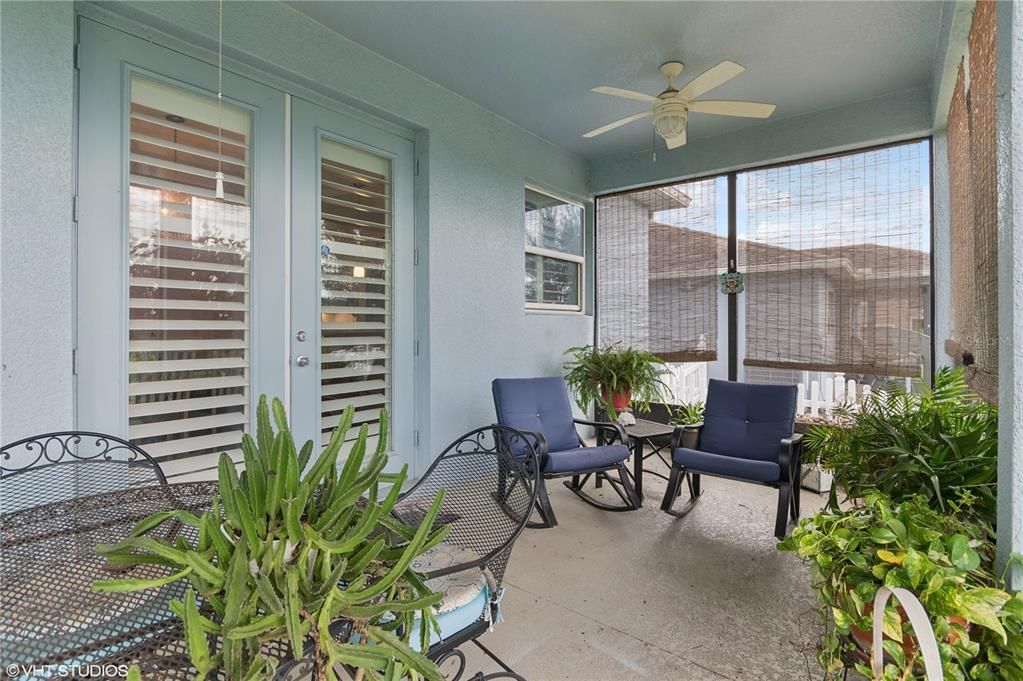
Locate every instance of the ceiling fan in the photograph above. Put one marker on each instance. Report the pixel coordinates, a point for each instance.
(671, 108)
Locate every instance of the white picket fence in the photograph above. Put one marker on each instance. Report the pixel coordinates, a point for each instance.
(819, 393)
(828, 392)
(687, 382)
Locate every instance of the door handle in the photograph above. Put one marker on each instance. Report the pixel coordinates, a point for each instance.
(302, 360)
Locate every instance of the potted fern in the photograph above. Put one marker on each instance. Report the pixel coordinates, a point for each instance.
(614, 377)
(290, 548)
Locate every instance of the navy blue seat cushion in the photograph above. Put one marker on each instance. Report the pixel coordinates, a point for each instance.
(747, 421)
(537, 405)
(586, 458)
(729, 466)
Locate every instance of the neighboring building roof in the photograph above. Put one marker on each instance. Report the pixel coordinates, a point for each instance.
(680, 251)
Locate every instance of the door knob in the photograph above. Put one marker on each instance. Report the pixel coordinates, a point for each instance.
(302, 360)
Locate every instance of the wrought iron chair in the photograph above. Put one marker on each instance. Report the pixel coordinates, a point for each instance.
(746, 434)
(68, 464)
(541, 406)
(488, 496)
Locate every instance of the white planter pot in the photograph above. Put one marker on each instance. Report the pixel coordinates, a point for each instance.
(817, 479)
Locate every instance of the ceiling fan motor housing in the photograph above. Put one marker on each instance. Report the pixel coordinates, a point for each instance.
(670, 119)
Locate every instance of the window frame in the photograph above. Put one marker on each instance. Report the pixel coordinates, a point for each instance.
(578, 260)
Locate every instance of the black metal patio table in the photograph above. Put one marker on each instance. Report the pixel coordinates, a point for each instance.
(656, 436)
(53, 624)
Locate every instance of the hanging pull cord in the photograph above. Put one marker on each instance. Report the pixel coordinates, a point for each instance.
(220, 102)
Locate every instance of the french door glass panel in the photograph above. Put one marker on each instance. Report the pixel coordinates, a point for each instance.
(355, 273)
(188, 272)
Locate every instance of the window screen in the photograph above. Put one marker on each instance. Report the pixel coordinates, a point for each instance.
(659, 254)
(836, 253)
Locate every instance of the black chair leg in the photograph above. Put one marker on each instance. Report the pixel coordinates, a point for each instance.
(543, 507)
(630, 491)
(675, 480)
(795, 503)
(781, 522)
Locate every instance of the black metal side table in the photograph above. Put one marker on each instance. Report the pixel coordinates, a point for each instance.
(656, 436)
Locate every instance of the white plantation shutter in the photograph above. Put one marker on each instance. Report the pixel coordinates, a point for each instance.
(355, 299)
(189, 280)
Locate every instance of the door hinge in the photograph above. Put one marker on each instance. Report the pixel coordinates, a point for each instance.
(415, 256)
(416, 437)
(74, 208)
(77, 57)
(415, 349)
(74, 361)
(417, 166)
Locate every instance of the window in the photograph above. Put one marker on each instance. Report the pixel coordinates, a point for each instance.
(554, 252)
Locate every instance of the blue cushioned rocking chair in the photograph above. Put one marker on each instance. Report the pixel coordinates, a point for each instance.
(746, 434)
(541, 406)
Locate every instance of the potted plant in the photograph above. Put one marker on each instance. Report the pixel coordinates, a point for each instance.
(290, 548)
(688, 414)
(614, 377)
(945, 561)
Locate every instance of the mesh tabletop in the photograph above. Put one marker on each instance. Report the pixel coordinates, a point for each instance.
(48, 564)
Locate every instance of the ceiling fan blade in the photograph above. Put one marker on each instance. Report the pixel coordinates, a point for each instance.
(676, 142)
(727, 108)
(617, 124)
(628, 94)
(710, 79)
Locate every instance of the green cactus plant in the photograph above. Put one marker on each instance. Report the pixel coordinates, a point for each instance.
(289, 548)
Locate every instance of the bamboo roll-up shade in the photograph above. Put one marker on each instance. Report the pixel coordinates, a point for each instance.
(973, 191)
(835, 253)
(659, 254)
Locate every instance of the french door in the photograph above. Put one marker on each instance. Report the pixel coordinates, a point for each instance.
(352, 317)
(188, 305)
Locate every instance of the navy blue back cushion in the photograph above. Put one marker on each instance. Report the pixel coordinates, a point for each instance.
(747, 421)
(539, 405)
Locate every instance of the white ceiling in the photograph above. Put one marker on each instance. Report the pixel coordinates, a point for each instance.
(534, 62)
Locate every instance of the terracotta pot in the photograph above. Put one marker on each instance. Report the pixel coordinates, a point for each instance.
(619, 400)
(865, 639)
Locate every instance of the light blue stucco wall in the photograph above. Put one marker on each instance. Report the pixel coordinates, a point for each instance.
(473, 164)
(1009, 112)
(36, 237)
(898, 116)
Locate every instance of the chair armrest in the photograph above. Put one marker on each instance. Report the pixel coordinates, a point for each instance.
(613, 429)
(539, 444)
(790, 457)
(681, 430)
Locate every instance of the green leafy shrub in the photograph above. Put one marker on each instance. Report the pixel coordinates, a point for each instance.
(284, 554)
(938, 557)
(941, 443)
(598, 374)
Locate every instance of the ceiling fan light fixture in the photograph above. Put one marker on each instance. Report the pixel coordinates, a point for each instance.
(670, 120)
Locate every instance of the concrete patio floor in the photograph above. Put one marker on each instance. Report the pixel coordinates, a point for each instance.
(644, 595)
